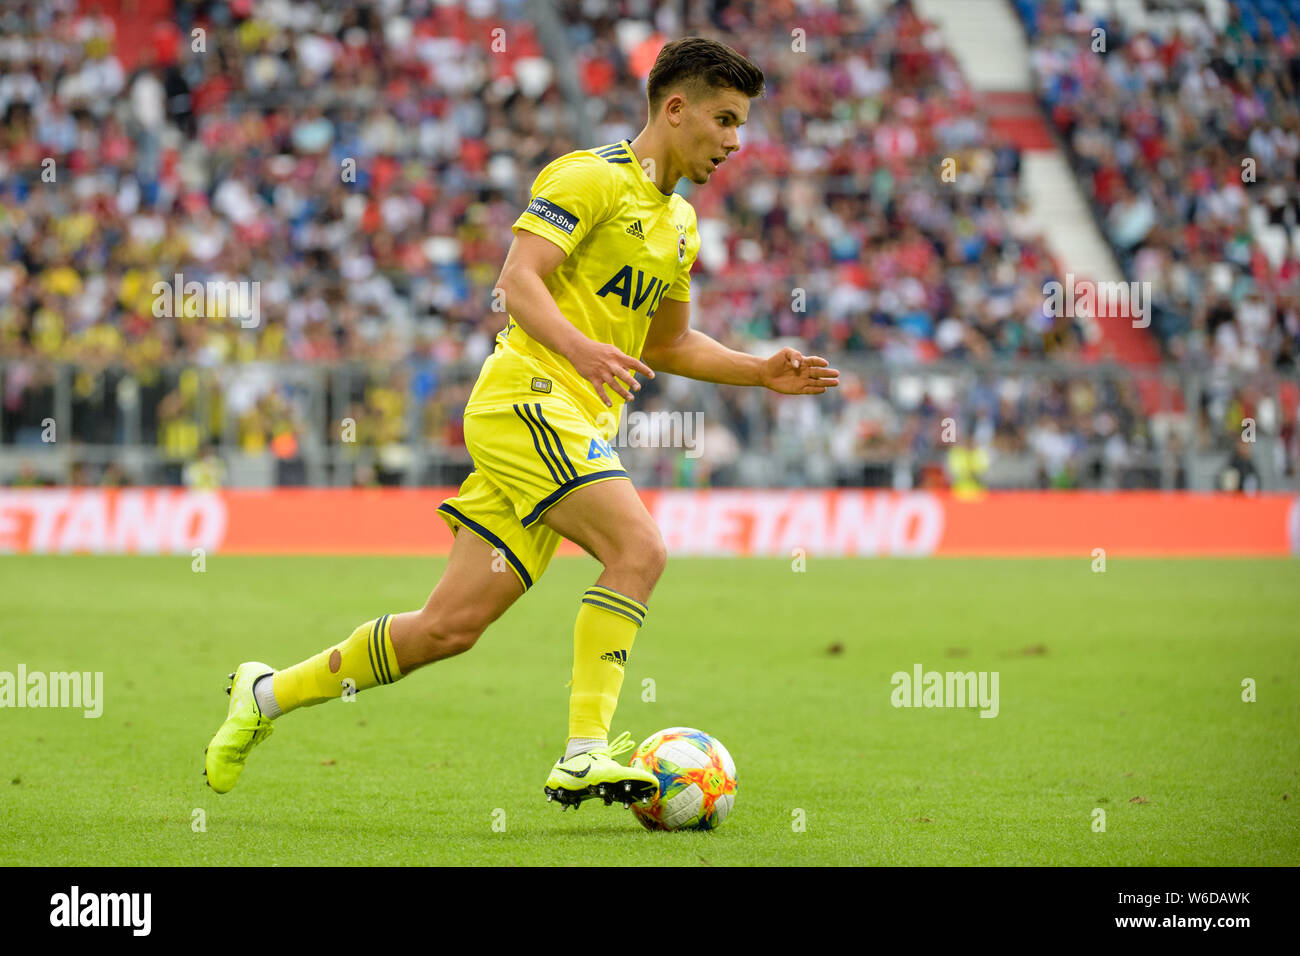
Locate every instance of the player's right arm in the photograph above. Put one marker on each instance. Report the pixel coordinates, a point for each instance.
(571, 196)
(530, 260)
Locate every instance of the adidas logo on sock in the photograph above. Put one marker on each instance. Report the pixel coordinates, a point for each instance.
(618, 657)
(635, 230)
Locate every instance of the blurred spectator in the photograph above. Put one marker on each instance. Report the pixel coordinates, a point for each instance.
(1239, 473)
(28, 477)
(206, 472)
(114, 476)
(967, 465)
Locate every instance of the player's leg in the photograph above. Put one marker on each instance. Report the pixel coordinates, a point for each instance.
(471, 594)
(552, 469)
(474, 590)
(609, 521)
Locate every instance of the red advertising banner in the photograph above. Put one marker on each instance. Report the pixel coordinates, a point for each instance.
(694, 522)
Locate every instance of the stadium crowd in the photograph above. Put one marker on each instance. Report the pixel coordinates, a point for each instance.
(1187, 143)
(1189, 146)
(837, 202)
(363, 164)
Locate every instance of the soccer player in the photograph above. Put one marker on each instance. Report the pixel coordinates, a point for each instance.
(597, 289)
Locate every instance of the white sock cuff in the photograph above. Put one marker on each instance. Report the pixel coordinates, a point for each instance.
(264, 694)
(580, 745)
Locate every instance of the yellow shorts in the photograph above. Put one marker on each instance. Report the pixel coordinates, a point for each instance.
(531, 446)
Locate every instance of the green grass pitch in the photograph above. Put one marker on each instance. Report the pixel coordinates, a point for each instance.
(1119, 691)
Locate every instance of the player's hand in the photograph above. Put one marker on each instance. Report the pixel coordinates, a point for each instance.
(603, 364)
(791, 373)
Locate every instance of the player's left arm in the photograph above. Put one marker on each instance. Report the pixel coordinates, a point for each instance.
(672, 346)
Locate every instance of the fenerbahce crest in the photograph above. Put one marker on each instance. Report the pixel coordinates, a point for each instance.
(681, 246)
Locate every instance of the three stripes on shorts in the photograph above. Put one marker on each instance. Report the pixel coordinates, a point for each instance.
(555, 459)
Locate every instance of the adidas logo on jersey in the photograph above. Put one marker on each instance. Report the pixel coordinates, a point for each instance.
(618, 657)
(635, 230)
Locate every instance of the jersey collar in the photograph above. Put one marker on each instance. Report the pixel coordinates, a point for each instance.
(644, 179)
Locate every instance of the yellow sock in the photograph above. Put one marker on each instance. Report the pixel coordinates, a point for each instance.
(602, 637)
(366, 659)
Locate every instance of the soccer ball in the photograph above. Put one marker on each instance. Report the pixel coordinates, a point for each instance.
(697, 780)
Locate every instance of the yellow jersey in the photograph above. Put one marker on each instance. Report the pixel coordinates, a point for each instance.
(627, 247)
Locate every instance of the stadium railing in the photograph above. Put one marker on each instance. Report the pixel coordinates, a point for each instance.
(891, 426)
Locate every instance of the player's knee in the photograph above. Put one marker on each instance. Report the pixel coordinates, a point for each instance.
(459, 641)
(447, 633)
(642, 551)
(656, 554)
(458, 637)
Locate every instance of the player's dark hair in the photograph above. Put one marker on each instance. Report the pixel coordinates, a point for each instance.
(695, 60)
